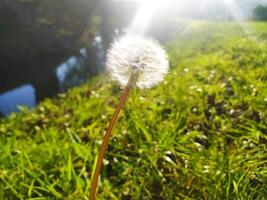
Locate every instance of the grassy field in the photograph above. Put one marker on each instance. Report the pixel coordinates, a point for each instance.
(200, 134)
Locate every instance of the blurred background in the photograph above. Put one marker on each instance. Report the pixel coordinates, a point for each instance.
(49, 46)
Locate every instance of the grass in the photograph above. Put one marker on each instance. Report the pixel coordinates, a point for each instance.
(200, 134)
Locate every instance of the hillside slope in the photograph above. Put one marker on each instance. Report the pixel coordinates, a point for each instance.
(200, 134)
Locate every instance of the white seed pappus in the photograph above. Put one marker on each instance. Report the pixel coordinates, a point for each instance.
(144, 55)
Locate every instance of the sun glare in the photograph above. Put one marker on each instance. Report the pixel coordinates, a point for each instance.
(211, 9)
(146, 11)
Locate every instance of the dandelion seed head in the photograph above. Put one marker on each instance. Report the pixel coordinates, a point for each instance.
(142, 56)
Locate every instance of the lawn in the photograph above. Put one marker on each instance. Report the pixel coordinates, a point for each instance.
(200, 134)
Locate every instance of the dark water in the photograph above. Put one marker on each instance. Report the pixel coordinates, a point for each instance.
(28, 87)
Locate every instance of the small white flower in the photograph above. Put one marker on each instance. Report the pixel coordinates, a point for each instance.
(142, 56)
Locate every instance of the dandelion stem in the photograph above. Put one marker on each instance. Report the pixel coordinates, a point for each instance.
(107, 135)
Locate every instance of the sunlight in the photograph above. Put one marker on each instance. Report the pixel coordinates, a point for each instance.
(191, 9)
(235, 10)
(214, 9)
(146, 11)
(237, 14)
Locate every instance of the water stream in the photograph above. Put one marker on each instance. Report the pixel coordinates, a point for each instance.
(72, 72)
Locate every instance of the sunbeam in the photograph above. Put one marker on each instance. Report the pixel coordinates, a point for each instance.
(146, 11)
(237, 14)
(234, 9)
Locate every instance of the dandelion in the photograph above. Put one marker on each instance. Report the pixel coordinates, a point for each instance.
(141, 57)
(133, 62)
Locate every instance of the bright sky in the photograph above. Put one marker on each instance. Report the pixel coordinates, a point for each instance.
(217, 9)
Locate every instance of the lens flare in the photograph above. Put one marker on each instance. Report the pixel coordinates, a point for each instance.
(234, 9)
(146, 11)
